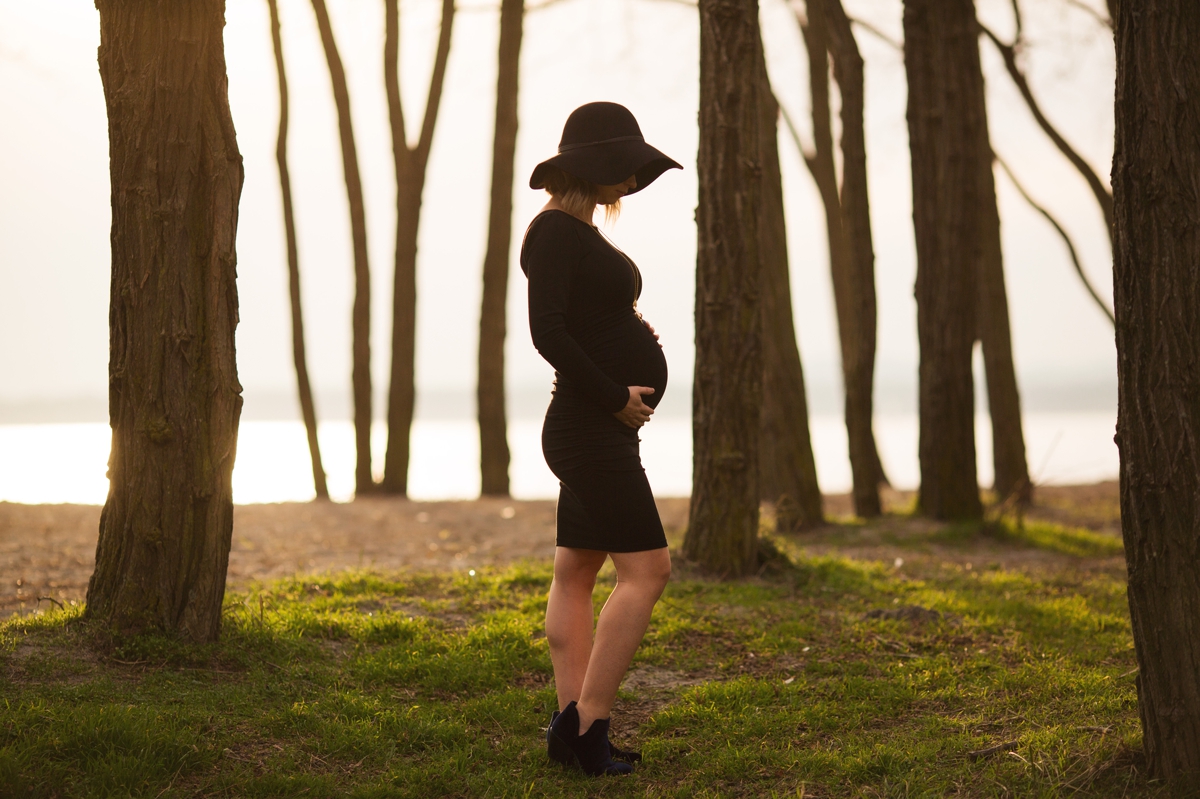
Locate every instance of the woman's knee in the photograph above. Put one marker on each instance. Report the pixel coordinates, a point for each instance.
(650, 570)
(575, 570)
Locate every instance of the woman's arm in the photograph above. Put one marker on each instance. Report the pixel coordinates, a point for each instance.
(552, 251)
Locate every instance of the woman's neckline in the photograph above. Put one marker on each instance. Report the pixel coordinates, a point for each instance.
(566, 214)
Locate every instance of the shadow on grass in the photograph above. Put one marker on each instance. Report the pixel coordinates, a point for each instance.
(372, 685)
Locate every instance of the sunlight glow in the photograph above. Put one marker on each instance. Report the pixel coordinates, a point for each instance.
(51, 463)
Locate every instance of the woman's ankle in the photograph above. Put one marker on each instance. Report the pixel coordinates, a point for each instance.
(587, 715)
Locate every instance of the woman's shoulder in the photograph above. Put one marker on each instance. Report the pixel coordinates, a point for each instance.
(553, 232)
(554, 221)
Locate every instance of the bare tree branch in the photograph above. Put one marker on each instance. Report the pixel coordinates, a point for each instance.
(1093, 13)
(1066, 239)
(1102, 193)
(805, 153)
(436, 80)
(544, 4)
(877, 33)
(1020, 34)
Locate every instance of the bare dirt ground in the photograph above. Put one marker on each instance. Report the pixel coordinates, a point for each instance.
(48, 551)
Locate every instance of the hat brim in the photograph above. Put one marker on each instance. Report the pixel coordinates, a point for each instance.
(608, 164)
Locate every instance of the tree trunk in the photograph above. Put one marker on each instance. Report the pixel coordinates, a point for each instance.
(493, 430)
(787, 471)
(856, 308)
(364, 482)
(941, 55)
(307, 408)
(727, 388)
(174, 397)
(1004, 399)
(1156, 169)
(410, 164)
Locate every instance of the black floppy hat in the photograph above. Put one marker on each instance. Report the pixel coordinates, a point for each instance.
(602, 144)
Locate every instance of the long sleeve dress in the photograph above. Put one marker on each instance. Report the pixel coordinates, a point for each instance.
(583, 320)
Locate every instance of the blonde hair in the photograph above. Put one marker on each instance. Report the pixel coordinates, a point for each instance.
(577, 196)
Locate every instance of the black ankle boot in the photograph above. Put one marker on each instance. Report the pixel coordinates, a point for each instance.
(614, 751)
(589, 751)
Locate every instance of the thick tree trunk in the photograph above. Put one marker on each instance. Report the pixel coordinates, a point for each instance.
(856, 309)
(307, 408)
(410, 164)
(493, 428)
(787, 471)
(1156, 171)
(727, 388)
(364, 482)
(941, 56)
(174, 397)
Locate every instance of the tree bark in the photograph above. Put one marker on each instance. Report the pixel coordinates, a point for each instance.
(1011, 471)
(364, 482)
(174, 397)
(787, 470)
(410, 165)
(1004, 400)
(493, 426)
(307, 408)
(1156, 171)
(856, 310)
(941, 55)
(727, 388)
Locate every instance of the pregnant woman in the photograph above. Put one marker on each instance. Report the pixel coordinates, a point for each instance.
(609, 374)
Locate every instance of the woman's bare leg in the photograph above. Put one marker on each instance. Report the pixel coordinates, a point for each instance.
(641, 578)
(569, 615)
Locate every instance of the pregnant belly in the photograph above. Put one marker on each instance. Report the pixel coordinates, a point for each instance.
(639, 361)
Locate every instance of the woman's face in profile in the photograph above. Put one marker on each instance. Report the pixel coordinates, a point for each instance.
(610, 194)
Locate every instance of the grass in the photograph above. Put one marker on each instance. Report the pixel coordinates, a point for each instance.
(817, 679)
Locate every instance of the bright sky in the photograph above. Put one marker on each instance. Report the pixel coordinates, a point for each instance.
(54, 214)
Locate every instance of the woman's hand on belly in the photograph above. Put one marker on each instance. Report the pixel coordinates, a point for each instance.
(635, 413)
(649, 327)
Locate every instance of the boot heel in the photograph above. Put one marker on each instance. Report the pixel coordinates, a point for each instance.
(589, 752)
(559, 750)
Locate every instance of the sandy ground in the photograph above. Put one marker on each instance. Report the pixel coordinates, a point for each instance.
(49, 550)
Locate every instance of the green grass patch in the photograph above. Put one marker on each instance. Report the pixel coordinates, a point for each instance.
(827, 677)
(1076, 541)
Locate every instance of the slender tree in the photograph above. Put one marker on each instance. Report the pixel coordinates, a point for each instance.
(493, 427)
(787, 470)
(307, 408)
(941, 58)
(410, 164)
(1156, 171)
(1010, 467)
(727, 387)
(827, 33)
(858, 349)
(174, 397)
(364, 482)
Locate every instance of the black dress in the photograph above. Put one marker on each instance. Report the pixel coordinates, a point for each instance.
(582, 292)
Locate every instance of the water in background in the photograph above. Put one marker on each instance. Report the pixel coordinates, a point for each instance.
(49, 463)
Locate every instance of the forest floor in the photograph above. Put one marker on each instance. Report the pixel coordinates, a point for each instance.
(395, 649)
(50, 550)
